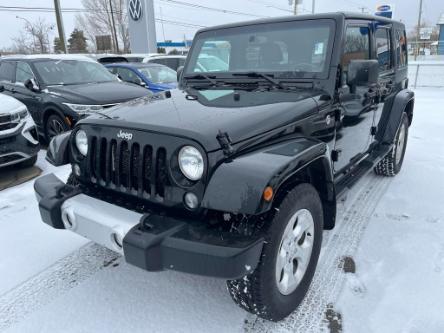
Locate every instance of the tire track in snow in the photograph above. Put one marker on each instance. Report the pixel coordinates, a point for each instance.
(329, 278)
(43, 288)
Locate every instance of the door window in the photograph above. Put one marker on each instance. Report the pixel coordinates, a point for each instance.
(383, 49)
(23, 72)
(401, 48)
(6, 71)
(128, 75)
(357, 45)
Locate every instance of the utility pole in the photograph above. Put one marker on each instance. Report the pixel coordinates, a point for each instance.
(418, 29)
(313, 4)
(60, 28)
(116, 42)
(295, 7)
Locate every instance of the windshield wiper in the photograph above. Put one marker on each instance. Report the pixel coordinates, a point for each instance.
(201, 76)
(267, 77)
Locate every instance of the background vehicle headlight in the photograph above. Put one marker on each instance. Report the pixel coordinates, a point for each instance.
(82, 109)
(191, 163)
(82, 142)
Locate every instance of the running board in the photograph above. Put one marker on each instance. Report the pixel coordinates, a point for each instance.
(361, 169)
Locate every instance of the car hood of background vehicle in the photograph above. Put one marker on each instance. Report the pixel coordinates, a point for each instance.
(99, 93)
(10, 104)
(200, 115)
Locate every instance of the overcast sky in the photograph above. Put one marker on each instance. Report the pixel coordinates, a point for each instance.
(406, 10)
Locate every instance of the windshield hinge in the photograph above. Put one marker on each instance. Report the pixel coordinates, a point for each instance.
(225, 143)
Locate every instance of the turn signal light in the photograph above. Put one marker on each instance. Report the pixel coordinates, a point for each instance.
(268, 193)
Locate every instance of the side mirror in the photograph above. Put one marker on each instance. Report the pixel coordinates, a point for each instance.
(32, 85)
(362, 73)
(179, 73)
(2, 88)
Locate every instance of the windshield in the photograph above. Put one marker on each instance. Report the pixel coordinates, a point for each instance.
(295, 48)
(159, 74)
(67, 72)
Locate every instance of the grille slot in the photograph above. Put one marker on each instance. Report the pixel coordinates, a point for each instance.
(128, 167)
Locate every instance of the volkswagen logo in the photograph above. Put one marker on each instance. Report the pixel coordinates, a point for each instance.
(135, 9)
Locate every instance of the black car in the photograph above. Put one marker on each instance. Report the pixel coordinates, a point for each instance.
(60, 90)
(237, 173)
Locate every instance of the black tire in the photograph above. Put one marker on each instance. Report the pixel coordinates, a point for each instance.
(258, 293)
(29, 162)
(55, 125)
(72, 180)
(391, 164)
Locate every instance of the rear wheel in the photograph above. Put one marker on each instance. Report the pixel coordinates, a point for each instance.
(392, 162)
(289, 258)
(54, 126)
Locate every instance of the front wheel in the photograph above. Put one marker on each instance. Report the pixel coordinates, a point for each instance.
(54, 126)
(288, 260)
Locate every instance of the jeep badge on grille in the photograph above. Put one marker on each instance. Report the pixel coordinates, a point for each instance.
(125, 135)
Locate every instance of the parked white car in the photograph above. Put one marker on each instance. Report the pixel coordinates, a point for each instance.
(18, 134)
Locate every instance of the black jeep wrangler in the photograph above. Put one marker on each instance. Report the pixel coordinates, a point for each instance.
(236, 173)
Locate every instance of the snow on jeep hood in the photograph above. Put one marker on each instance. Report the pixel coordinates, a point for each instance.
(200, 115)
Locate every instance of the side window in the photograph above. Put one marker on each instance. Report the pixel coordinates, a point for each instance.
(401, 48)
(171, 63)
(159, 61)
(357, 45)
(127, 75)
(382, 39)
(23, 72)
(6, 71)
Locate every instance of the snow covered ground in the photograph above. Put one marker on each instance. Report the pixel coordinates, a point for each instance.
(381, 269)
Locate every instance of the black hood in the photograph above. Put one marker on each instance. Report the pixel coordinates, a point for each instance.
(200, 115)
(99, 93)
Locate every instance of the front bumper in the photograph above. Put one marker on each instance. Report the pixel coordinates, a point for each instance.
(18, 144)
(149, 241)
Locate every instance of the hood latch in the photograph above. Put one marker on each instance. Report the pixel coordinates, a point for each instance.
(225, 142)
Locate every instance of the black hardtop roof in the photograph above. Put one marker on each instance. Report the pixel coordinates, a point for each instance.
(334, 16)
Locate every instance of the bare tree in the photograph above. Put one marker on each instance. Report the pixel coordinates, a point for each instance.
(97, 21)
(34, 38)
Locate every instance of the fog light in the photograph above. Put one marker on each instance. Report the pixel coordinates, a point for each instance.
(191, 200)
(77, 171)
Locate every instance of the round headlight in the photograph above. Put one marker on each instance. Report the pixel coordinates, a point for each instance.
(82, 142)
(191, 163)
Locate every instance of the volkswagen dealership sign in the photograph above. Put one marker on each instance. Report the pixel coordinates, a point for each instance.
(142, 27)
(135, 9)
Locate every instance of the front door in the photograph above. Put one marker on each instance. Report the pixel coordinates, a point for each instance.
(353, 136)
(30, 98)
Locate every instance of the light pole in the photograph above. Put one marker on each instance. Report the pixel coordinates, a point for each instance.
(31, 28)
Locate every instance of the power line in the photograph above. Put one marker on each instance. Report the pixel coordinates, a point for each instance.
(84, 10)
(219, 10)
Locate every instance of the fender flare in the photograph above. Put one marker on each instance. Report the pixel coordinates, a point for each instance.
(58, 150)
(237, 186)
(393, 114)
(51, 108)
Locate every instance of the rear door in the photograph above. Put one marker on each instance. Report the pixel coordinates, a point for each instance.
(383, 52)
(7, 73)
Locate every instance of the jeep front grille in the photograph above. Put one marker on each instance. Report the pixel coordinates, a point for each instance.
(128, 167)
